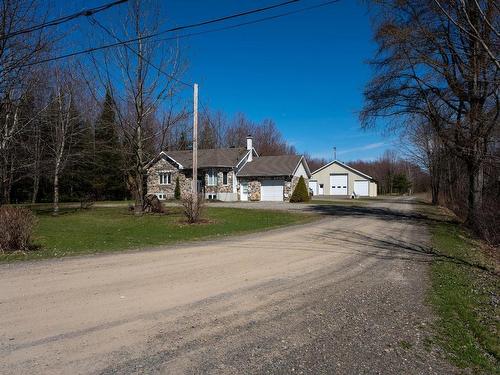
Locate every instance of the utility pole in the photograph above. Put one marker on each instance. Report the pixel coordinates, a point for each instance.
(195, 142)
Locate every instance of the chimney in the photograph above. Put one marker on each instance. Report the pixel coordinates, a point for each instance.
(250, 147)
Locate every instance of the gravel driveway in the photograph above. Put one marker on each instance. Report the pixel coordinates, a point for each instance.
(344, 295)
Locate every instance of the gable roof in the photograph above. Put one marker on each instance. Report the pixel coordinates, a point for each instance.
(345, 166)
(283, 165)
(218, 157)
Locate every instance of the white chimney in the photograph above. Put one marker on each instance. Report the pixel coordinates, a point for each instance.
(250, 147)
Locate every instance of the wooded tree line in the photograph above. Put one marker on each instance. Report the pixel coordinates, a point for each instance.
(85, 129)
(394, 174)
(436, 76)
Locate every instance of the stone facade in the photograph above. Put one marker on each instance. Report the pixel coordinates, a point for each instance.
(168, 190)
(228, 192)
(254, 184)
(254, 190)
(163, 166)
(220, 187)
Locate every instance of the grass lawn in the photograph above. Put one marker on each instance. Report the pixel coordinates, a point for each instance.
(464, 294)
(113, 229)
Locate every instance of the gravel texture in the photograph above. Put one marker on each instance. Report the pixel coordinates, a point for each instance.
(344, 295)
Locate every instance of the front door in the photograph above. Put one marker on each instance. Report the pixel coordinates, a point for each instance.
(244, 191)
(321, 189)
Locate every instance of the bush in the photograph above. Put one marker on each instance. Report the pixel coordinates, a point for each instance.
(193, 207)
(177, 191)
(301, 193)
(153, 204)
(16, 228)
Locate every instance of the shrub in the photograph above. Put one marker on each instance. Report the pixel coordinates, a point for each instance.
(177, 191)
(301, 193)
(153, 204)
(16, 228)
(193, 207)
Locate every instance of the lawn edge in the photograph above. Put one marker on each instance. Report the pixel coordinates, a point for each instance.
(441, 335)
(309, 219)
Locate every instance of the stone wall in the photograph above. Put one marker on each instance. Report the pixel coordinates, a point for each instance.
(255, 182)
(254, 190)
(220, 187)
(153, 183)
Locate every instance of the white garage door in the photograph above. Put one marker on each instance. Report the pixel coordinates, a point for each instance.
(271, 190)
(338, 184)
(361, 188)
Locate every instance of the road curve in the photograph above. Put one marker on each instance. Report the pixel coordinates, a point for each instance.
(342, 295)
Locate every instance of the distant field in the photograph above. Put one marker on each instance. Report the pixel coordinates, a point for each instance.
(97, 230)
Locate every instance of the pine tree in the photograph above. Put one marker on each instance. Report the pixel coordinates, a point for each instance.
(301, 193)
(109, 180)
(177, 191)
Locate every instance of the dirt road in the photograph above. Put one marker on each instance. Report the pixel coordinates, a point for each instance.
(343, 295)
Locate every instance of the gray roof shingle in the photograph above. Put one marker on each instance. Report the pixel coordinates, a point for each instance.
(283, 165)
(221, 157)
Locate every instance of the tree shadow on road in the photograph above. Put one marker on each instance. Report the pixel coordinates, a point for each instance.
(371, 212)
(391, 245)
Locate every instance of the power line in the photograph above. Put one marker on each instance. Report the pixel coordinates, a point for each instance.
(198, 24)
(64, 19)
(96, 22)
(263, 19)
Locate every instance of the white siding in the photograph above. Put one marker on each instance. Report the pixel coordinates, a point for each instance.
(301, 171)
(323, 177)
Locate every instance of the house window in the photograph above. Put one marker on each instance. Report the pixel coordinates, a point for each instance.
(211, 178)
(165, 178)
(162, 196)
(224, 178)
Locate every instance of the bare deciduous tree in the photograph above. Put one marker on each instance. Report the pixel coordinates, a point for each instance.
(150, 83)
(16, 80)
(434, 64)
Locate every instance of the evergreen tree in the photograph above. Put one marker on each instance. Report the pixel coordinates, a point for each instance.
(177, 191)
(401, 183)
(301, 192)
(109, 180)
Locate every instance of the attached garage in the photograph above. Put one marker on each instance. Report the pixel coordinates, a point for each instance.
(272, 190)
(339, 179)
(271, 178)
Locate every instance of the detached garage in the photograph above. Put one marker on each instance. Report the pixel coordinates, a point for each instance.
(271, 178)
(339, 179)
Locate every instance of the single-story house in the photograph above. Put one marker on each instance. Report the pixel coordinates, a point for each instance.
(339, 179)
(227, 174)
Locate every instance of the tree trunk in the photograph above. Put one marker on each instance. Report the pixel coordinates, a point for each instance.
(435, 190)
(475, 194)
(56, 193)
(36, 185)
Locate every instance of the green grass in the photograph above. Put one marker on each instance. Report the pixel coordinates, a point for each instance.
(341, 202)
(113, 229)
(464, 294)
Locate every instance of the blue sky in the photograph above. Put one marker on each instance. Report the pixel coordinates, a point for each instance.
(305, 71)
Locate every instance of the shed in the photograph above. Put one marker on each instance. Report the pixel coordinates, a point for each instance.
(339, 179)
